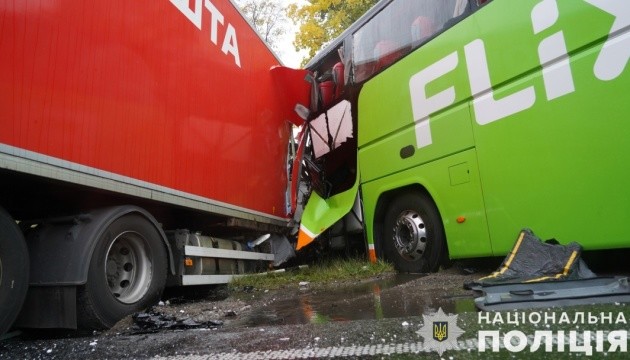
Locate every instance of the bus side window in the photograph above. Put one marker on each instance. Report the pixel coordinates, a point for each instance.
(422, 28)
(463, 8)
(400, 27)
(386, 52)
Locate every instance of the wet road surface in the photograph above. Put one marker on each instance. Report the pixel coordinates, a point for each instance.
(376, 317)
(379, 318)
(374, 300)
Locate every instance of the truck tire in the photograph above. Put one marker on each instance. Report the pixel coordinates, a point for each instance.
(413, 234)
(14, 270)
(127, 273)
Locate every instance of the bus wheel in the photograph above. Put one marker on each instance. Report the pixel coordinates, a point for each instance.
(14, 269)
(127, 273)
(413, 233)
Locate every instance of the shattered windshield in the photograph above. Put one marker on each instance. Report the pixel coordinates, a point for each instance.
(331, 129)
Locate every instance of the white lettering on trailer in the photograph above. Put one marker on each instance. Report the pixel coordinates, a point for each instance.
(553, 57)
(230, 43)
(193, 15)
(216, 17)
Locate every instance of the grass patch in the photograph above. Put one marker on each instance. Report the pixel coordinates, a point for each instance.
(336, 270)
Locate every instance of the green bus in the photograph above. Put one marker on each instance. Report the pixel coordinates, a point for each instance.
(444, 127)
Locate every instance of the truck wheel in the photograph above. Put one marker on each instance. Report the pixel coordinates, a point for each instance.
(413, 234)
(127, 273)
(14, 267)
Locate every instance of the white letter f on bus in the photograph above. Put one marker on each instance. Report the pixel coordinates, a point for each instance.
(424, 105)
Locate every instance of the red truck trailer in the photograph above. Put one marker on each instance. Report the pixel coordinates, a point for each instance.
(142, 145)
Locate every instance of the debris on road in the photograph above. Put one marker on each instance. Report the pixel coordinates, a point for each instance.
(152, 321)
(531, 260)
(542, 274)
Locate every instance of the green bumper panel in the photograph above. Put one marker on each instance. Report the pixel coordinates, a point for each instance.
(320, 214)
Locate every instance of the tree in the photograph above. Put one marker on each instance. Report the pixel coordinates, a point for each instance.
(267, 16)
(320, 21)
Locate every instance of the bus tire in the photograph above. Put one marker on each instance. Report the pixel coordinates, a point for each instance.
(126, 274)
(413, 234)
(14, 270)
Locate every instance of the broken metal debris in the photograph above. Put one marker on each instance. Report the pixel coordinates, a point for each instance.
(153, 321)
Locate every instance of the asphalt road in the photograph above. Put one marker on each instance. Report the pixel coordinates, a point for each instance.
(377, 318)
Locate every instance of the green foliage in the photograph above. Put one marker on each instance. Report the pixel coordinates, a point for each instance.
(320, 21)
(321, 274)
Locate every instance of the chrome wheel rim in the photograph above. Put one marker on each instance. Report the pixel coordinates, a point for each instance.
(410, 235)
(128, 268)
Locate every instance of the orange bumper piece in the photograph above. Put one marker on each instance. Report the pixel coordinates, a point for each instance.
(303, 239)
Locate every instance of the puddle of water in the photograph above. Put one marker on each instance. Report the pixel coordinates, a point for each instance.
(374, 300)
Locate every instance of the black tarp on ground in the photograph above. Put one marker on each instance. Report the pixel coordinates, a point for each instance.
(533, 260)
(538, 274)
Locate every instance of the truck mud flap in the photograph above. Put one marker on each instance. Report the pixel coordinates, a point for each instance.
(281, 249)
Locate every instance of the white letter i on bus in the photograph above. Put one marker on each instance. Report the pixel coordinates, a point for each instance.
(552, 52)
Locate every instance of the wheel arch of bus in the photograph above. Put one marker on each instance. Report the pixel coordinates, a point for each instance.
(462, 224)
(376, 211)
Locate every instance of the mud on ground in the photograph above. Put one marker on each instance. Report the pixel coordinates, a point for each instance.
(384, 309)
(396, 295)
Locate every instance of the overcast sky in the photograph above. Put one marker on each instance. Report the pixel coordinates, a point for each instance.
(286, 51)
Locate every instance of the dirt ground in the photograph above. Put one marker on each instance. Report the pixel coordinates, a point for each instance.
(374, 318)
(240, 303)
(379, 317)
(245, 320)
